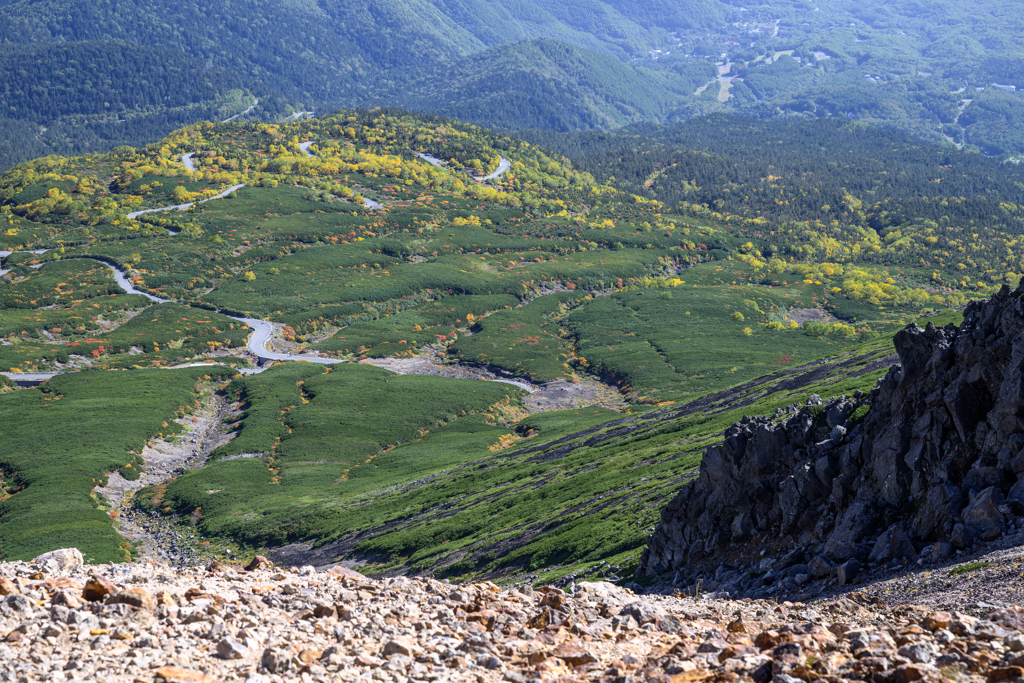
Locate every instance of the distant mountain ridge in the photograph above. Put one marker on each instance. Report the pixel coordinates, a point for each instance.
(82, 77)
(137, 60)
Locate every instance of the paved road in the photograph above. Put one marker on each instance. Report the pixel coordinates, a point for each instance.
(368, 203)
(262, 329)
(126, 284)
(5, 254)
(434, 161)
(183, 207)
(30, 378)
(242, 113)
(258, 343)
(521, 385)
(503, 165)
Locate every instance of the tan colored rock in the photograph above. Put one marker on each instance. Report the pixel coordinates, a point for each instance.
(484, 617)
(346, 573)
(908, 673)
(176, 674)
(553, 600)
(61, 582)
(276, 660)
(8, 587)
(63, 560)
(540, 620)
(737, 626)
(257, 563)
(97, 588)
(136, 597)
(573, 655)
(937, 620)
(195, 593)
(66, 599)
(402, 645)
(324, 611)
(216, 567)
(229, 648)
(1009, 673)
(395, 624)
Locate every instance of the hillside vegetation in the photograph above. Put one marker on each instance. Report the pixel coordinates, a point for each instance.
(550, 272)
(79, 78)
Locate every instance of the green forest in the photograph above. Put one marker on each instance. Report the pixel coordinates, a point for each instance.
(82, 78)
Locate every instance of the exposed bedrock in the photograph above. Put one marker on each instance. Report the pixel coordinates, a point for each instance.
(936, 464)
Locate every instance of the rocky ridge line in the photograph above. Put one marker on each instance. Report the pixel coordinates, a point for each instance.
(936, 466)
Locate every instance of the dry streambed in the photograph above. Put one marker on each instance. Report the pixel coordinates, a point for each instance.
(164, 538)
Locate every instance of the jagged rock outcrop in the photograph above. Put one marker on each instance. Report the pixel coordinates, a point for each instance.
(932, 466)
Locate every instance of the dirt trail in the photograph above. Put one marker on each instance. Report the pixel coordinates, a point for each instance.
(166, 460)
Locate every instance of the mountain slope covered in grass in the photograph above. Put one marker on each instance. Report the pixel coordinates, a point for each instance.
(574, 280)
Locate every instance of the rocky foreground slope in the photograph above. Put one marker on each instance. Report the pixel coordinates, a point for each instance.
(62, 621)
(832, 491)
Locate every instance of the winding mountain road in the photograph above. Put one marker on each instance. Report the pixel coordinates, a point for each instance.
(256, 344)
(262, 329)
(368, 203)
(185, 207)
(186, 159)
(503, 165)
(242, 113)
(126, 284)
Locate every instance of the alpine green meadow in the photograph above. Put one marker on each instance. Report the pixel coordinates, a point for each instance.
(401, 456)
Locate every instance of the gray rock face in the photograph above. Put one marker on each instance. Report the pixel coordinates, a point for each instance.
(847, 572)
(893, 544)
(935, 461)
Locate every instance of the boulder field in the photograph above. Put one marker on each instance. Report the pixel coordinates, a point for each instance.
(147, 622)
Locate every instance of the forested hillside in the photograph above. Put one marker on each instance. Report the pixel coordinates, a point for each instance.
(547, 84)
(119, 57)
(79, 77)
(830, 185)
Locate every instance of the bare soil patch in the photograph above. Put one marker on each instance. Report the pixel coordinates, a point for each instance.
(559, 394)
(815, 315)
